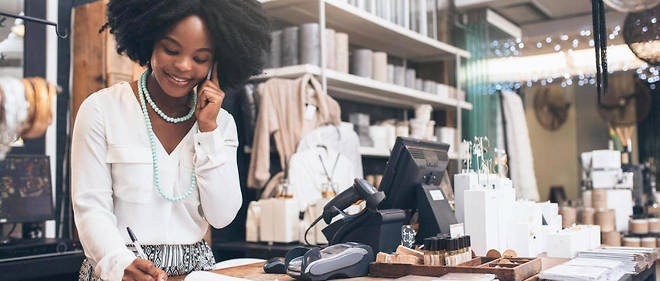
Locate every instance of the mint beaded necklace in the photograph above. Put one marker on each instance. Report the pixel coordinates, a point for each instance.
(142, 91)
(142, 85)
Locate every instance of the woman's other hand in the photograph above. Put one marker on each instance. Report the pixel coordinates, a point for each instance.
(143, 270)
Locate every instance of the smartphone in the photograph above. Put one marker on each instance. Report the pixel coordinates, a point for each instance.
(208, 76)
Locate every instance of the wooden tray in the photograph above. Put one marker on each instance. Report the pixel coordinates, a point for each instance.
(509, 269)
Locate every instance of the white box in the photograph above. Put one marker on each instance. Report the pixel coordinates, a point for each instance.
(313, 211)
(527, 212)
(521, 239)
(626, 181)
(549, 210)
(278, 221)
(506, 197)
(605, 159)
(622, 202)
(504, 182)
(605, 178)
(562, 244)
(594, 236)
(252, 222)
(481, 220)
(568, 242)
(463, 182)
(555, 223)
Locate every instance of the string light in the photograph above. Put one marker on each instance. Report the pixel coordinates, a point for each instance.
(515, 47)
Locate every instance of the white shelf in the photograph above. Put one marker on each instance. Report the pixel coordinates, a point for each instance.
(376, 152)
(356, 88)
(364, 29)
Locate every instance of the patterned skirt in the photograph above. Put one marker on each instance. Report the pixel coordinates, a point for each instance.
(175, 260)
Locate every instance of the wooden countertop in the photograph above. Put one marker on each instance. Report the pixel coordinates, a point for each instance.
(255, 272)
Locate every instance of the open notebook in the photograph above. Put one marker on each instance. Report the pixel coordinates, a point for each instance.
(210, 276)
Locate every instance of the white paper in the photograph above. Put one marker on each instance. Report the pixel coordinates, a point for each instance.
(210, 276)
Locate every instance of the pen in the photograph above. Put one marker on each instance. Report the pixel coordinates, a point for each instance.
(136, 244)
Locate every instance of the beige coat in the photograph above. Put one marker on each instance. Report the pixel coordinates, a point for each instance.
(282, 109)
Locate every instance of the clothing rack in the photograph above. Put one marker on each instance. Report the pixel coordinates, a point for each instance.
(62, 34)
(506, 141)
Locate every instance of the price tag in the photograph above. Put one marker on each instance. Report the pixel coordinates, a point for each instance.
(310, 112)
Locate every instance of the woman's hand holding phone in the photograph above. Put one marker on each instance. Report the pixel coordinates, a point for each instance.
(209, 101)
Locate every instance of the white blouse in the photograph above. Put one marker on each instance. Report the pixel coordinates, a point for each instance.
(112, 181)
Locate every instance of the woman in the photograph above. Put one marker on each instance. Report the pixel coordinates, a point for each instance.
(158, 155)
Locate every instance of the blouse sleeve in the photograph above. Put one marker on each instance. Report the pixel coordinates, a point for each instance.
(91, 193)
(217, 172)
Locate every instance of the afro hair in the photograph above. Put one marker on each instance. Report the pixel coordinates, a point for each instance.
(240, 31)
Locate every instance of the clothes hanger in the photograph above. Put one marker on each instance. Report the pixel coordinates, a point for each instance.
(62, 34)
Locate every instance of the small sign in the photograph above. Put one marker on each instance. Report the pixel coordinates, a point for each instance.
(436, 194)
(456, 230)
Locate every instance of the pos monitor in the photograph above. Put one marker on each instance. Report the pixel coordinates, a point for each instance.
(412, 182)
(25, 189)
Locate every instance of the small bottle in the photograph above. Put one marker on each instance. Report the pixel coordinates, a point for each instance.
(464, 247)
(461, 251)
(450, 258)
(427, 251)
(468, 245)
(436, 251)
(442, 250)
(283, 190)
(328, 190)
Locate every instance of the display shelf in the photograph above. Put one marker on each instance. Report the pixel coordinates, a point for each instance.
(385, 153)
(361, 89)
(365, 151)
(364, 29)
(374, 152)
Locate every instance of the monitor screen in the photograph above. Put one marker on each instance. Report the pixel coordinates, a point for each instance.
(25, 189)
(412, 180)
(412, 162)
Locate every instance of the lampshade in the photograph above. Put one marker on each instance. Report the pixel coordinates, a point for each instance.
(627, 6)
(641, 32)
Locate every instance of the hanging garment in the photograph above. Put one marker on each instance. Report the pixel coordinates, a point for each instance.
(287, 112)
(338, 138)
(521, 163)
(312, 169)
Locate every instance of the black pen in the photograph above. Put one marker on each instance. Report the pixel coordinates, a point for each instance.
(136, 244)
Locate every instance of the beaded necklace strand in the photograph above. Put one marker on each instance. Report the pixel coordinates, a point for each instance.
(142, 91)
(142, 85)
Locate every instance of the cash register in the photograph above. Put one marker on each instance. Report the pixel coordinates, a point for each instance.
(411, 184)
